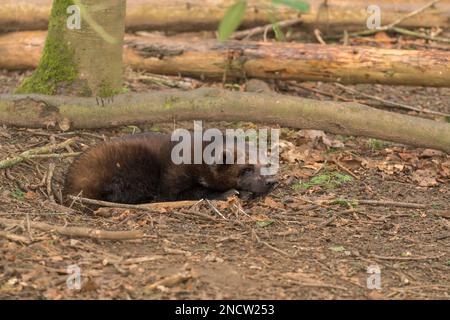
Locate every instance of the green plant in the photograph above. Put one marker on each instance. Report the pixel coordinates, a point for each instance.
(376, 144)
(264, 223)
(337, 248)
(345, 203)
(18, 194)
(232, 19)
(294, 4)
(279, 35)
(327, 180)
(236, 13)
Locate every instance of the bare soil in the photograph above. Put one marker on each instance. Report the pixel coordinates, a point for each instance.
(293, 244)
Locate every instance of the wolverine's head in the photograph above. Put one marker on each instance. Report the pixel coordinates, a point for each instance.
(237, 174)
(245, 177)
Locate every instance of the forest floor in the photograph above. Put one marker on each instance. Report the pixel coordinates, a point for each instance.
(295, 243)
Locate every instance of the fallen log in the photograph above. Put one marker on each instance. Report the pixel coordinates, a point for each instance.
(264, 60)
(288, 61)
(194, 15)
(212, 104)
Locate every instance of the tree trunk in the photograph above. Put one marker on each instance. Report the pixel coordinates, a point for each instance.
(194, 15)
(85, 59)
(265, 60)
(211, 104)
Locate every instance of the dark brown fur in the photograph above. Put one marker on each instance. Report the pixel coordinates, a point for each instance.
(139, 169)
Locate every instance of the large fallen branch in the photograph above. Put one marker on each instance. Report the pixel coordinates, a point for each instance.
(266, 60)
(194, 15)
(211, 104)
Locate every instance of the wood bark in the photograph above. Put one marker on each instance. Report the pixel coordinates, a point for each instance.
(82, 54)
(265, 60)
(210, 104)
(289, 61)
(194, 15)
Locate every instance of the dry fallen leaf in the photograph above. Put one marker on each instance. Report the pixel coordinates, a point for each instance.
(445, 169)
(442, 213)
(428, 153)
(390, 168)
(351, 162)
(317, 136)
(31, 195)
(273, 204)
(424, 178)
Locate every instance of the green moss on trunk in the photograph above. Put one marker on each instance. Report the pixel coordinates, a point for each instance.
(57, 66)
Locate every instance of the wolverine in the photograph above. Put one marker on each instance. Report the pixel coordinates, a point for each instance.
(139, 169)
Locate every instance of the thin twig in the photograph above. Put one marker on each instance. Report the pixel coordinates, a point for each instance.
(392, 204)
(266, 31)
(141, 259)
(391, 103)
(268, 245)
(30, 235)
(146, 206)
(42, 214)
(170, 281)
(315, 90)
(393, 27)
(55, 155)
(9, 162)
(318, 36)
(409, 258)
(14, 237)
(215, 209)
(79, 231)
(411, 14)
(380, 203)
(245, 34)
(342, 167)
(189, 213)
(419, 35)
(51, 169)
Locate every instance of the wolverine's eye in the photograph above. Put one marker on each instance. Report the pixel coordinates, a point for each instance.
(246, 171)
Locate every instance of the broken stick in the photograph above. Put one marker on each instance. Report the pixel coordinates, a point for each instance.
(9, 162)
(79, 231)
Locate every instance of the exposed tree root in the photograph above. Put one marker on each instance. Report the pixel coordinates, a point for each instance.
(211, 104)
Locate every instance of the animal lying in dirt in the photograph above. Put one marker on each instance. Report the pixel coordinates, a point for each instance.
(139, 169)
